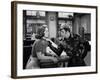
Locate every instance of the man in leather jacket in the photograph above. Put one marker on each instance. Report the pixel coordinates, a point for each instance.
(74, 46)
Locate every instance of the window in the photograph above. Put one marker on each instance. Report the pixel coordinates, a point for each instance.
(33, 20)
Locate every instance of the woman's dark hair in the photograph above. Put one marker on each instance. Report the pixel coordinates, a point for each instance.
(40, 32)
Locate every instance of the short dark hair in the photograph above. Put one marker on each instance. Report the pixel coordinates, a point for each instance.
(65, 27)
(40, 32)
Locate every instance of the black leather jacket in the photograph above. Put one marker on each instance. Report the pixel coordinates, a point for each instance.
(73, 46)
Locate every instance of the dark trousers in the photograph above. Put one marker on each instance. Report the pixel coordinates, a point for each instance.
(76, 61)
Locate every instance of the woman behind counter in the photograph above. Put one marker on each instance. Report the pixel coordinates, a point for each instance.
(40, 57)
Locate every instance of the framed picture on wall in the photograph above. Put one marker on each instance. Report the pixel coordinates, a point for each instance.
(50, 39)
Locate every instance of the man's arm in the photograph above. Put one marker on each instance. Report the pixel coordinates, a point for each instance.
(87, 48)
(58, 50)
